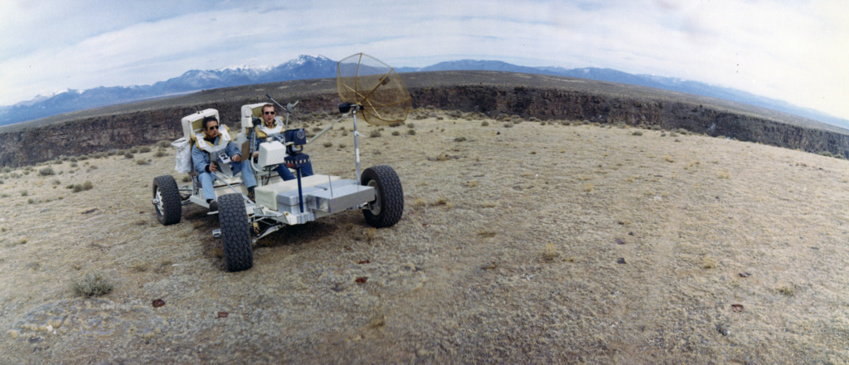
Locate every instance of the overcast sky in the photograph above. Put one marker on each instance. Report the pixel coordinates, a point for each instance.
(793, 50)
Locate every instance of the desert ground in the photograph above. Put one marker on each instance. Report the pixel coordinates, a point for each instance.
(521, 242)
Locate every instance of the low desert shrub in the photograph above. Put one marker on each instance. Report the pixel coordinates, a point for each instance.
(47, 171)
(374, 134)
(93, 284)
(81, 187)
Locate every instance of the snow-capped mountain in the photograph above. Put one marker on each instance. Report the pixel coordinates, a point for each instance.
(310, 67)
(304, 67)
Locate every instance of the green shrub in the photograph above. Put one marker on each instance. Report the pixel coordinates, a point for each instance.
(144, 149)
(81, 187)
(93, 284)
(47, 171)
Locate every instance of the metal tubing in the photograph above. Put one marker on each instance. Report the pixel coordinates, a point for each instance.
(356, 144)
(326, 129)
(244, 197)
(300, 190)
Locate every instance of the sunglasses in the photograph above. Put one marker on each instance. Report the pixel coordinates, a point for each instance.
(270, 113)
(212, 127)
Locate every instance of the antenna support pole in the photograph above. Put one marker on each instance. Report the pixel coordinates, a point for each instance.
(356, 143)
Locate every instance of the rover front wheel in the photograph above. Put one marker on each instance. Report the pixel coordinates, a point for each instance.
(235, 233)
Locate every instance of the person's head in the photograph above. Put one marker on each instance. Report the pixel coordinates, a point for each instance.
(210, 127)
(268, 114)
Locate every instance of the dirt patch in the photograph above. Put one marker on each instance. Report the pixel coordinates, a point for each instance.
(534, 242)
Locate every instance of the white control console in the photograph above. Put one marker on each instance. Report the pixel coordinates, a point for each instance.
(271, 153)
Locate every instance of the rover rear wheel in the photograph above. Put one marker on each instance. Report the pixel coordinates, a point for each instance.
(166, 200)
(388, 205)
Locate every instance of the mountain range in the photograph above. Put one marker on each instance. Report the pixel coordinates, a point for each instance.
(313, 67)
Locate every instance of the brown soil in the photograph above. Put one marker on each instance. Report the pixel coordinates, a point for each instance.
(520, 242)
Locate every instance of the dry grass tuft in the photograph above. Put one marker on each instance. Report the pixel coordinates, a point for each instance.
(549, 253)
(787, 291)
(141, 266)
(489, 204)
(441, 201)
(93, 284)
(486, 234)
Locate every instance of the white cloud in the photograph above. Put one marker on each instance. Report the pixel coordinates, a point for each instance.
(793, 50)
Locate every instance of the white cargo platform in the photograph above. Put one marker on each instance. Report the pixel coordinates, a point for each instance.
(267, 195)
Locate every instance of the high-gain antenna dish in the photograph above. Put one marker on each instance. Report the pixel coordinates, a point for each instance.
(375, 87)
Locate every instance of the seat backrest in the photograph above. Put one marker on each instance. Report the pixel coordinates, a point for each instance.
(193, 123)
(249, 112)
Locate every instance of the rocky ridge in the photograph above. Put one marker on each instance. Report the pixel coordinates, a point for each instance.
(491, 93)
